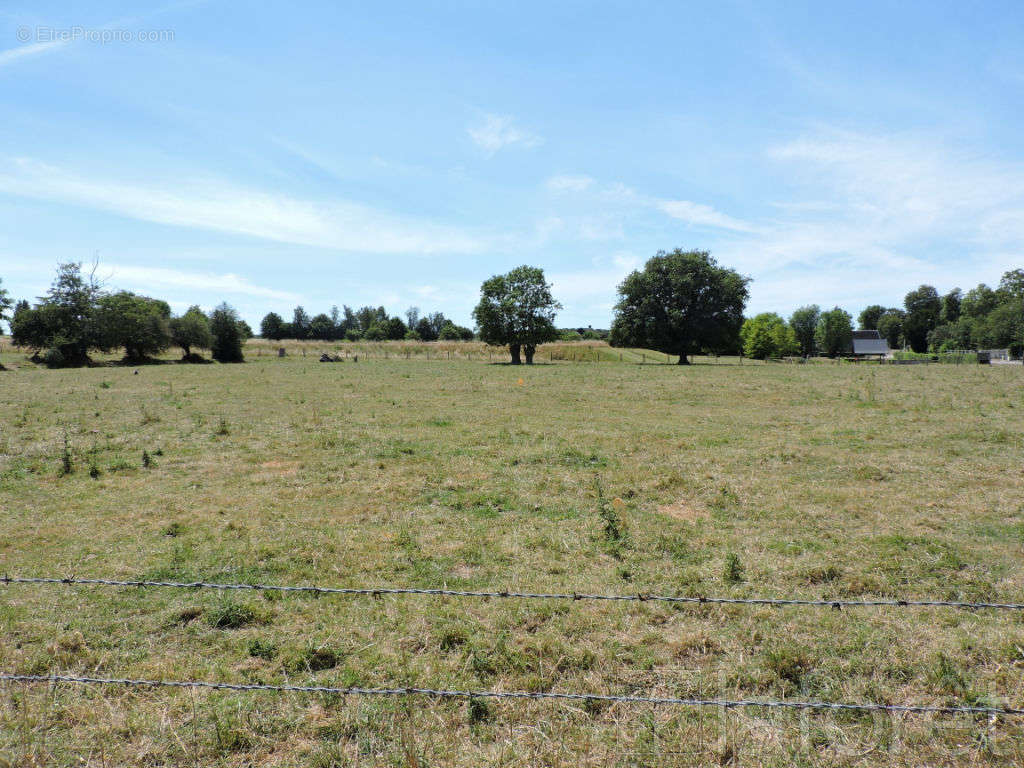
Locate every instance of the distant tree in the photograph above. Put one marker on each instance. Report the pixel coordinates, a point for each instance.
(321, 328)
(953, 336)
(5, 304)
(369, 316)
(337, 327)
(227, 338)
(890, 327)
(300, 323)
(412, 335)
(244, 330)
(272, 327)
(412, 317)
(517, 309)
(979, 301)
(350, 322)
(767, 335)
(394, 328)
(951, 306)
(804, 323)
(426, 330)
(353, 334)
(64, 321)
(835, 332)
(1011, 286)
(436, 321)
(1003, 327)
(376, 332)
(924, 309)
(138, 324)
(191, 331)
(680, 303)
(869, 317)
(449, 332)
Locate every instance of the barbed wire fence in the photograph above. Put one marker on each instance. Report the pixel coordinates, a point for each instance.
(507, 594)
(990, 711)
(441, 693)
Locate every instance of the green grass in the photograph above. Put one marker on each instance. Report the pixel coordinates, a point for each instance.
(815, 481)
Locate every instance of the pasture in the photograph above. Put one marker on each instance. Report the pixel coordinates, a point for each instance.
(813, 481)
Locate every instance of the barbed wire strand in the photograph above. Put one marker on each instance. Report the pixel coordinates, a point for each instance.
(443, 693)
(638, 597)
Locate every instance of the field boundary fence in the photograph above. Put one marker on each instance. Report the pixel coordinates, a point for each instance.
(508, 594)
(441, 693)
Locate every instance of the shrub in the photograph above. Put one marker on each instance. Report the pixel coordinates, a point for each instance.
(54, 358)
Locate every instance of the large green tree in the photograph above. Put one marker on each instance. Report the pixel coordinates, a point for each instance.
(321, 327)
(924, 310)
(804, 323)
(951, 303)
(138, 324)
(300, 323)
(869, 317)
(890, 326)
(680, 303)
(835, 332)
(272, 326)
(64, 320)
(191, 331)
(227, 336)
(516, 309)
(767, 335)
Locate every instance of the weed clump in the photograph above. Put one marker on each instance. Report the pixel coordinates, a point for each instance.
(733, 572)
(66, 467)
(478, 712)
(230, 615)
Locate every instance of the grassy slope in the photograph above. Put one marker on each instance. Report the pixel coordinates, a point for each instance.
(824, 480)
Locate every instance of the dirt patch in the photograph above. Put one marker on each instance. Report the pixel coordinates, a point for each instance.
(684, 510)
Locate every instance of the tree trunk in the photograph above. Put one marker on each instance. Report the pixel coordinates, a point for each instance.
(683, 360)
(514, 349)
(529, 349)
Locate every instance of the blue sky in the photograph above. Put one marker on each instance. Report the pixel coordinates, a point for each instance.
(270, 154)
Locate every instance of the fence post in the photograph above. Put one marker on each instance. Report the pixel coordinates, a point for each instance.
(643, 358)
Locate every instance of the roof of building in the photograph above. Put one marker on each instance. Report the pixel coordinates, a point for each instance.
(869, 343)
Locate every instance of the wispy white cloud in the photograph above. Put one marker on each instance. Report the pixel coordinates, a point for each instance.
(12, 55)
(215, 205)
(701, 215)
(201, 283)
(569, 183)
(495, 132)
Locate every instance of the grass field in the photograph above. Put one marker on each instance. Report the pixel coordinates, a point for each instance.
(813, 481)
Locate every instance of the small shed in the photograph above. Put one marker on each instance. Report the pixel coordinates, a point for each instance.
(869, 344)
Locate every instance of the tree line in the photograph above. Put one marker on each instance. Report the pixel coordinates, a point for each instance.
(680, 303)
(366, 323)
(77, 316)
(981, 318)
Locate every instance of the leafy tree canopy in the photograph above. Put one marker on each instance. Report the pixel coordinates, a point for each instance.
(681, 302)
(139, 324)
(835, 332)
(518, 310)
(804, 323)
(191, 331)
